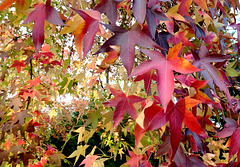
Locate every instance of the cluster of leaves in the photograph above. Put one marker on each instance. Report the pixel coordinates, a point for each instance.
(171, 66)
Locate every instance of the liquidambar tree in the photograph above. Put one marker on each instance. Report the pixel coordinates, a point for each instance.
(119, 83)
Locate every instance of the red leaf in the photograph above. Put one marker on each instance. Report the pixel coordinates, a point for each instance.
(89, 160)
(229, 128)
(110, 59)
(139, 10)
(134, 160)
(154, 16)
(152, 114)
(20, 142)
(210, 72)
(165, 69)
(19, 65)
(138, 160)
(199, 94)
(127, 39)
(147, 77)
(179, 113)
(235, 143)
(110, 8)
(39, 15)
(122, 103)
(92, 27)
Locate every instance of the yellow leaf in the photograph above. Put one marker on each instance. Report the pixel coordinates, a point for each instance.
(80, 131)
(72, 24)
(172, 12)
(81, 150)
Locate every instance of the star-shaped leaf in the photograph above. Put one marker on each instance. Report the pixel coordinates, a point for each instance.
(110, 8)
(177, 114)
(90, 29)
(165, 67)
(41, 13)
(154, 15)
(199, 94)
(210, 72)
(185, 5)
(139, 10)
(20, 117)
(122, 103)
(35, 81)
(19, 65)
(147, 77)
(232, 129)
(81, 150)
(127, 39)
(89, 160)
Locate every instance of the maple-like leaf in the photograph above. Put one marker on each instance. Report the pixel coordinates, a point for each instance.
(109, 60)
(79, 27)
(81, 150)
(56, 158)
(20, 117)
(26, 156)
(147, 77)
(154, 16)
(162, 40)
(139, 10)
(181, 159)
(16, 103)
(19, 65)
(127, 39)
(35, 81)
(110, 8)
(138, 160)
(177, 114)
(91, 27)
(199, 94)
(149, 116)
(165, 67)
(210, 72)
(122, 103)
(185, 5)
(196, 28)
(89, 160)
(232, 129)
(41, 13)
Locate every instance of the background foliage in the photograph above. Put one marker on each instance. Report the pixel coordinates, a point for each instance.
(119, 83)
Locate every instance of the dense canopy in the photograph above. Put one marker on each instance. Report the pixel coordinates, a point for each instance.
(119, 83)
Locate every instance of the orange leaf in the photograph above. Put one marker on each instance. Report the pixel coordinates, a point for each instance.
(6, 145)
(6, 4)
(35, 82)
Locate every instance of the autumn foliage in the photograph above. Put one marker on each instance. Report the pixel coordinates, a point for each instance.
(119, 83)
